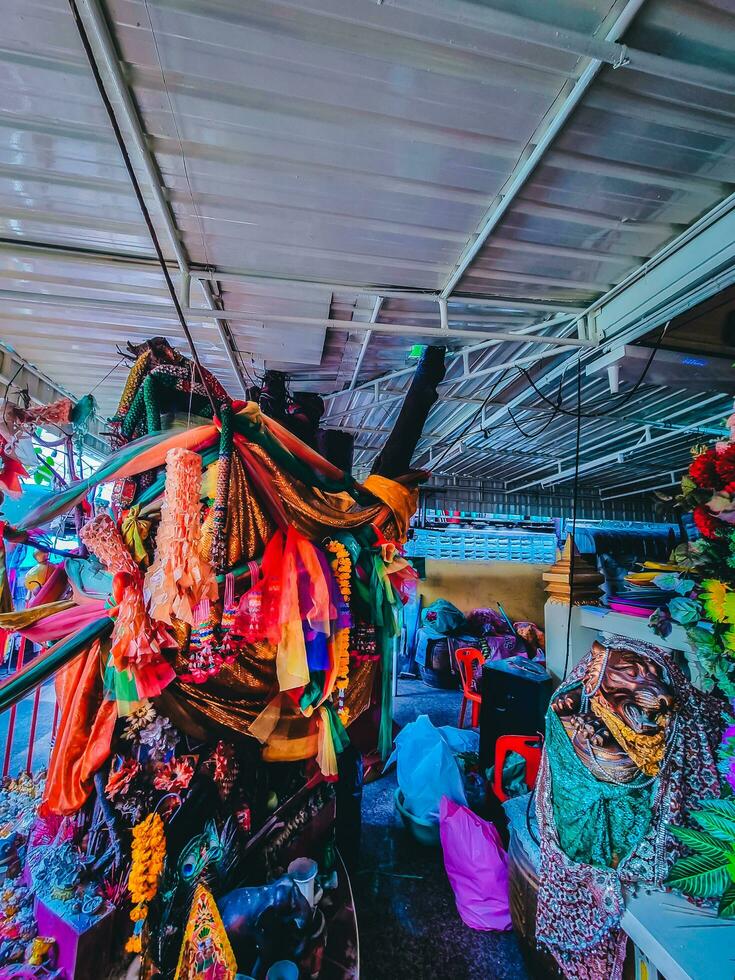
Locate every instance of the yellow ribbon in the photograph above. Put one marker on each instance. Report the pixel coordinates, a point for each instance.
(401, 499)
(251, 411)
(135, 529)
(23, 618)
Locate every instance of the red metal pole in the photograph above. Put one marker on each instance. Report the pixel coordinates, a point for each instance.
(11, 717)
(32, 732)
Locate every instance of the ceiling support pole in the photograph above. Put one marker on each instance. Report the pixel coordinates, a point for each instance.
(105, 51)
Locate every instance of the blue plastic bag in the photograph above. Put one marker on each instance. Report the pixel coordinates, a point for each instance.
(427, 768)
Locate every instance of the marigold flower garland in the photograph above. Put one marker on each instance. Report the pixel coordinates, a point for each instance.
(342, 569)
(148, 855)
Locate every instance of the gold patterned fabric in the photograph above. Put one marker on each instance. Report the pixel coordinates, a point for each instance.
(228, 702)
(312, 512)
(360, 689)
(248, 527)
(646, 751)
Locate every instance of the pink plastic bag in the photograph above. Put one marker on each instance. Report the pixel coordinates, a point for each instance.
(477, 867)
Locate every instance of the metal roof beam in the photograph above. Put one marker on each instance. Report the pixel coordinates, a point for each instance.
(385, 395)
(603, 425)
(491, 19)
(693, 267)
(643, 479)
(611, 457)
(159, 311)
(41, 390)
(461, 355)
(365, 341)
(106, 55)
(102, 258)
(599, 52)
(662, 290)
(671, 482)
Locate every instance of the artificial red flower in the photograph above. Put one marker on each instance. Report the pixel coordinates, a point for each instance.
(725, 464)
(225, 768)
(10, 472)
(120, 779)
(175, 775)
(707, 525)
(703, 470)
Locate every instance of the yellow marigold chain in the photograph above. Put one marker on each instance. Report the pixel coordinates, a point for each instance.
(342, 570)
(148, 854)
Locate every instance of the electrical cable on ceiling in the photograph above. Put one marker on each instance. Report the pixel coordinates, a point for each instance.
(545, 425)
(472, 421)
(209, 265)
(139, 196)
(624, 398)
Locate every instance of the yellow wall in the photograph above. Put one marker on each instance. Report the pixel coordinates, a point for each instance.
(474, 584)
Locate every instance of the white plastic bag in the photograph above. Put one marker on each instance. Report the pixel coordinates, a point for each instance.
(460, 739)
(427, 769)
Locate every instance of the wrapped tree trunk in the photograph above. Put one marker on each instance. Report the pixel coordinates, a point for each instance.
(395, 456)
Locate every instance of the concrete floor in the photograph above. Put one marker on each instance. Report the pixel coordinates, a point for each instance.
(408, 921)
(407, 918)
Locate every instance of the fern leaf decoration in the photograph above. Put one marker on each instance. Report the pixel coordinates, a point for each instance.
(727, 903)
(709, 872)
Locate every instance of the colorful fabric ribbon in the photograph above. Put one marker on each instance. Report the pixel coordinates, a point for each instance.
(135, 530)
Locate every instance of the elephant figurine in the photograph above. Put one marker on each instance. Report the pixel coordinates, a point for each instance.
(266, 922)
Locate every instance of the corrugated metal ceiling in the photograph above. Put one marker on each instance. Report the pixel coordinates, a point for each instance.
(317, 154)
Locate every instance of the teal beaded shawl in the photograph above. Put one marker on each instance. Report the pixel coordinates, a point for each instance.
(598, 823)
(583, 823)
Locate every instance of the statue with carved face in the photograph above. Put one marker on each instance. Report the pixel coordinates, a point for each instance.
(618, 717)
(631, 747)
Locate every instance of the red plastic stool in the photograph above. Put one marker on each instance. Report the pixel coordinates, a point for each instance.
(529, 746)
(467, 657)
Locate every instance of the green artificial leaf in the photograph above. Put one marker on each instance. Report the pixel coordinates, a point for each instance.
(727, 903)
(706, 844)
(687, 484)
(716, 825)
(723, 809)
(699, 876)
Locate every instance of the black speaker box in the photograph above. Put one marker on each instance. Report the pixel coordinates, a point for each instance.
(515, 696)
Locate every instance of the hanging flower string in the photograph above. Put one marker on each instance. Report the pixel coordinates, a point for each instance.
(148, 855)
(179, 577)
(342, 569)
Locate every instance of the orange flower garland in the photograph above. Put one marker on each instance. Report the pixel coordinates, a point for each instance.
(342, 569)
(148, 855)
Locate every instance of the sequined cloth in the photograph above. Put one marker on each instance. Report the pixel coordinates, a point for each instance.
(580, 903)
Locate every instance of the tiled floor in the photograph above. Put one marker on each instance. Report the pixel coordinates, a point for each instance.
(408, 921)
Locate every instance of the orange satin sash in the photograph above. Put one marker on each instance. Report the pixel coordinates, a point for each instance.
(83, 737)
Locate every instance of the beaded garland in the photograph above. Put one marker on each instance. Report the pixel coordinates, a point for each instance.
(342, 569)
(221, 503)
(204, 660)
(148, 854)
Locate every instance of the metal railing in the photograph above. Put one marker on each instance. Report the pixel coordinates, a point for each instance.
(28, 738)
